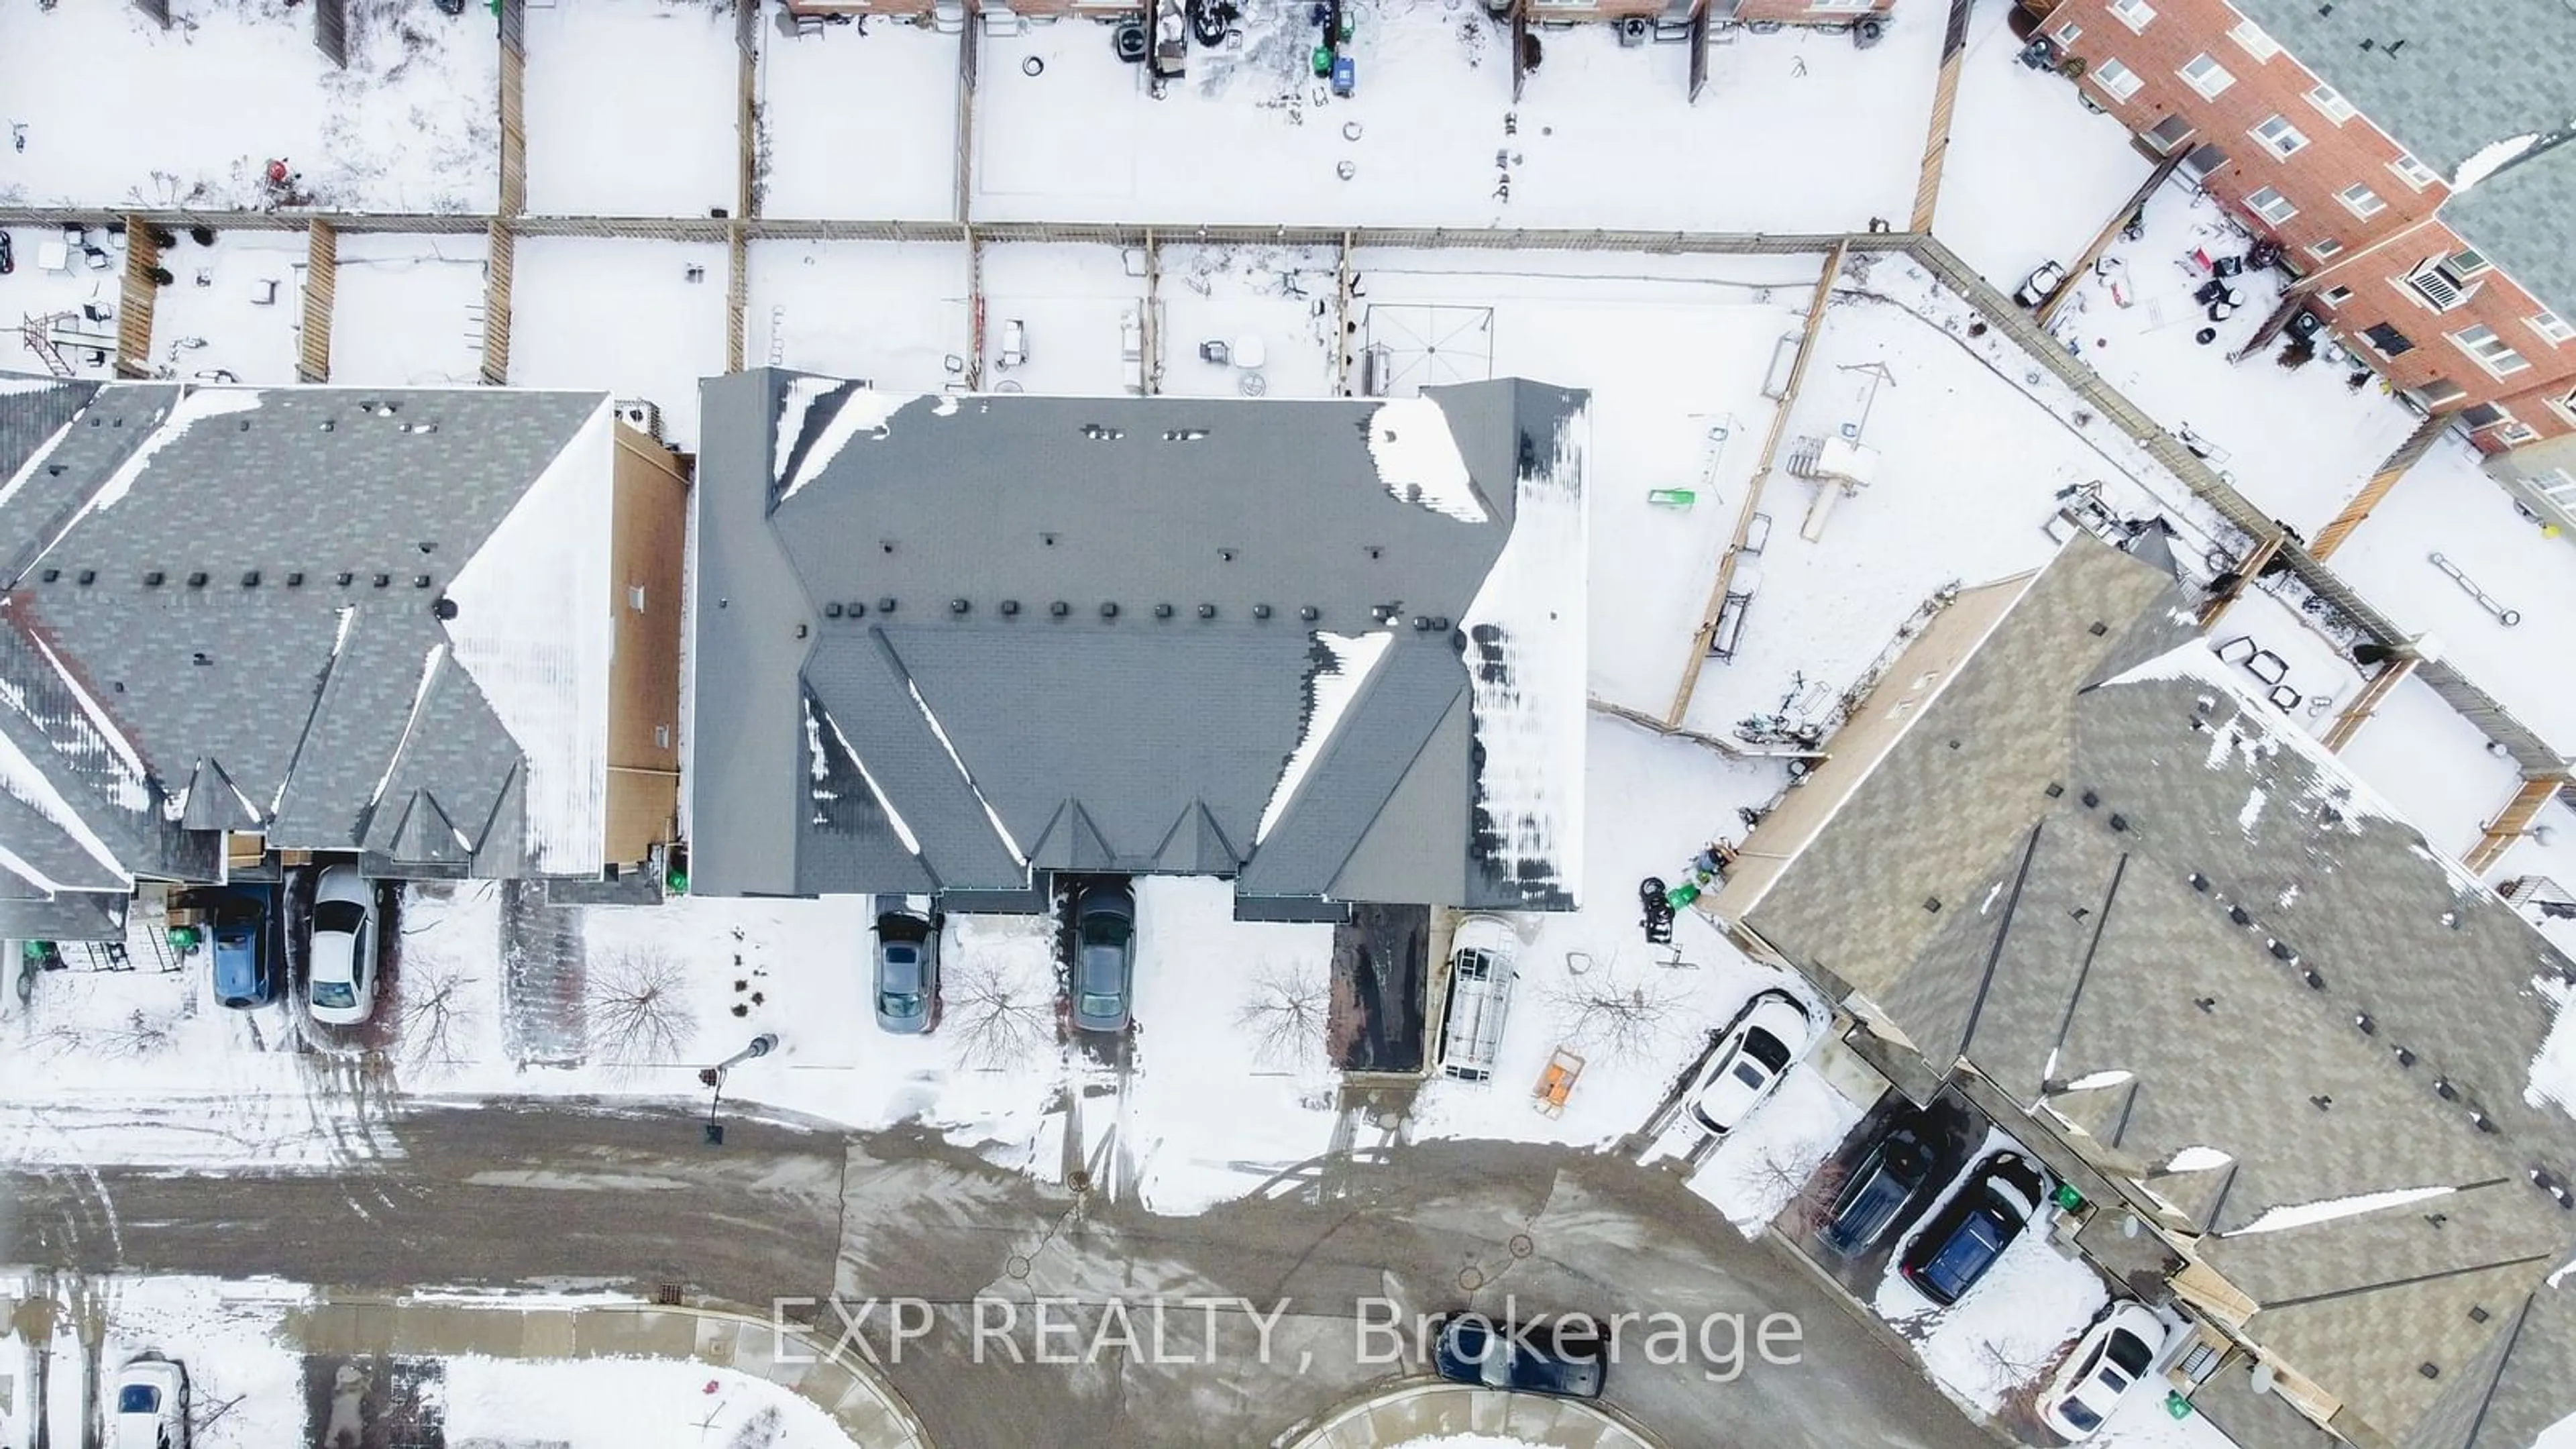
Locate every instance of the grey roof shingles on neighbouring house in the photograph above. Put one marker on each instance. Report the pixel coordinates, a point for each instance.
(212, 614)
(2173, 927)
(929, 653)
(2448, 82)
(2523, 218)
(2445, 81)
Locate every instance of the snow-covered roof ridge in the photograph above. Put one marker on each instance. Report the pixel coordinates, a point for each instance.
(1418, 460)
(1348, 662)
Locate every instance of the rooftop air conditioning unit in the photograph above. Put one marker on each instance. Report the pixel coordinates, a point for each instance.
(642, 416)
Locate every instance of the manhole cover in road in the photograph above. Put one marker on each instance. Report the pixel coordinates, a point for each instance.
(1017, 1266)
(1471, 1279)
(1522, 1247)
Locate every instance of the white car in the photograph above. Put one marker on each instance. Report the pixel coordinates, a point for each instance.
(1774, 1032)
(150, 1406)
(341, 962)
(2112, 1360)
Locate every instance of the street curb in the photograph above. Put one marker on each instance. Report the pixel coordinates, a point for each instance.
(852, 1392)
(1418, 1407)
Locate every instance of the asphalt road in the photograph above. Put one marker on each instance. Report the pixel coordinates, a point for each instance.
(549, 1195)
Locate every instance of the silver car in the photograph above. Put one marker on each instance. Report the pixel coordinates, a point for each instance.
(907, 985)
(1104, 957)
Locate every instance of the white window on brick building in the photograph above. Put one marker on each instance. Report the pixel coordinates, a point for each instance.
(2557, 485)
(2207, 76)
(2553, 327)
(2361, 201)
(2270, 205)
(2117, 79)
(2066, 35)
(2324, 249)
(2335, 296)
(2133, 13)
(2480, 342)
(2280, 137)
(2513, 433)
(2413, 172)
(2330, 101)
(2256, 43)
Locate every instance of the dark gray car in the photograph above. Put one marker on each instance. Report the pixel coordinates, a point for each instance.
(1104, 956)
(907, 985)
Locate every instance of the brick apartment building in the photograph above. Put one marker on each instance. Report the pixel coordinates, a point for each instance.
(2412, 162)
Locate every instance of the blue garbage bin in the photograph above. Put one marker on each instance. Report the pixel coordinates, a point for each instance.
(1346, 75)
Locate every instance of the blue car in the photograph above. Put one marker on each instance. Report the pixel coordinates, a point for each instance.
(1965, 1238)
(246, 973)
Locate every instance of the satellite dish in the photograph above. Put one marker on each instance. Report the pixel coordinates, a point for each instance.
(2262, 1378)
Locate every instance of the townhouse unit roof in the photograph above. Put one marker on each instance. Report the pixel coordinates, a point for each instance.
(2455, 84)
(2107, 876)
(349, 619)
(1332, 649)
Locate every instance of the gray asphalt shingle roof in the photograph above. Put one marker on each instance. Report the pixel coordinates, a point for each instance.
(241, 594)
(2524, 219)
(2445, 81)
(2307, 1041)
(1003, 559)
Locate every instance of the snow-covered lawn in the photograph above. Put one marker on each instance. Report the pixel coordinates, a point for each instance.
(1763, 1165)
(2445, 505)
(1231, 1081)
(2134, 319)
(1604, 136)
(626, 1403)
(211, 318)
(640, 319)
(409, 309)
(2031, 174)
(2433, 765)
(858, 121)
(1674, 351)
(1070, 301)
(1280, 299)
(2143, 1422)
(34, 292)
(227, 1334)
(891, 312)
(1589, 982)
(114, 110)
(631, 108)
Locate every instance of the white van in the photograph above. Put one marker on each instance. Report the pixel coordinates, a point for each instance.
(1480, 988)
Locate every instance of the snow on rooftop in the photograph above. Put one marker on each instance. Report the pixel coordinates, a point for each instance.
(20, 776)
(1418, 460)
(794, 403)
(2300, 1215)
(2197, 1159)
(94, 734)
(931, 718)
(535, 631)
(2489, 159)
(1526, 638)
(197, 406)
(862, 410)
(1349, 661)
(2553, 1070)
(36, 459)
(885, 802)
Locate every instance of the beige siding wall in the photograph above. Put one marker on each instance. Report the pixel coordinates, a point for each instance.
(649, 535)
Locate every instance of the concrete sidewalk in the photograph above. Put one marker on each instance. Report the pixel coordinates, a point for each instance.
(867, 1409)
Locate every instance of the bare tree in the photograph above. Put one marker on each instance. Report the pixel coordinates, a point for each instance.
(1632, 1012)
(438, 1015)
(638, 1009)
(138, 1034)
(994, 1020)
(1285, 1014)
